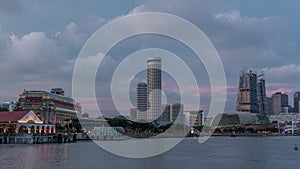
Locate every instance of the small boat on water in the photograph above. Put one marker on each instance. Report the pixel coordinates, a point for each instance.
(296, 147)
(233, 134)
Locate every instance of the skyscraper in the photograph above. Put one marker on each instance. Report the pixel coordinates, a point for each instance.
(297, 102)
(269, 106)
(154, 88)
(280, 103)
(177, 112)
(261, 94)
(141, 101)
(166, 115)
(247, 93)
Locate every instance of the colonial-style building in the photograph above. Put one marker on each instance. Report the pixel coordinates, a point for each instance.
(51, 107)
(17, 122)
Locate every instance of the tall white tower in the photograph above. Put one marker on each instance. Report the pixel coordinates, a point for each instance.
(154, 88)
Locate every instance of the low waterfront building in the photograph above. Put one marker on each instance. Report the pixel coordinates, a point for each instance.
(9, 105)
(27, 122)
(285, 118)
(88, 124)
(239, 118)
(108, 133)
(133, 113)
(193, 118)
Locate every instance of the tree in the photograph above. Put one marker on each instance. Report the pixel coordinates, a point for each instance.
(3, 109)
(250, 130)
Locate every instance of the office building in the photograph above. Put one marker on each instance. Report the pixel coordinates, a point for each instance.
(297, 102)
(154, 88)
(50, 107)
(269, 106)
(247, 100)
(261, 94)
(141, 101)
(177, 113)
(166, 115)
(280, 103)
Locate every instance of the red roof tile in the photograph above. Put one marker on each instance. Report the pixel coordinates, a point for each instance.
(12, 116)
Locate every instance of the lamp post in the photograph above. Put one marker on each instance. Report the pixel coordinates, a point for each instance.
(67, 120)
(278, 126)
(293, 125)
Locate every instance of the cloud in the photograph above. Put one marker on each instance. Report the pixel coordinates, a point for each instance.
(259, 42)
(239, 39)
(283, 79)
(12, 7)
(32, 61)
(289, 72)
(33, 53)
(72, 35)
(282, 90)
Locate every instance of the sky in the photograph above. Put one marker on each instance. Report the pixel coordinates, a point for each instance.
(41, 40)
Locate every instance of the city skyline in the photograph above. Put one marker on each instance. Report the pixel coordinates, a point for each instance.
(254, 43)
(149, 84)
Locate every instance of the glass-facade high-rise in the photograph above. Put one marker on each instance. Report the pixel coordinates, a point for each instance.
(141, 101)
(261, 94)
(177, 113)
(297, 102)
(154, 88)
(247, 100)
(280, 103)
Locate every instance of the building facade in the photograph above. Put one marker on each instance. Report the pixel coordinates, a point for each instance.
(280, 103)
(50, 107)
(269, 106)
(297, 102)
(141, 101)
(23, 122)
(193, 118)
(9, 105)
(154, 88)
(133, 113)
(247, 100)
(261, 94)
(166, 115)
(177, 113)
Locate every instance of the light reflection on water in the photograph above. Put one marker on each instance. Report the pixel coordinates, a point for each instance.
(221, 152)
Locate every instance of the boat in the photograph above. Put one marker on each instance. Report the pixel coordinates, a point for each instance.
(296, 147)
(233, 134)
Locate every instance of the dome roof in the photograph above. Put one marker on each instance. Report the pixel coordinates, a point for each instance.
(239, 118)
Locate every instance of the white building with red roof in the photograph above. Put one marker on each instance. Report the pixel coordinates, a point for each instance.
(17, 122)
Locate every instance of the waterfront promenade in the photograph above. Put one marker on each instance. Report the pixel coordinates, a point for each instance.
(37, 139)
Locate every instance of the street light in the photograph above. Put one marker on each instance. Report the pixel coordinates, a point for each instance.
(293, 124)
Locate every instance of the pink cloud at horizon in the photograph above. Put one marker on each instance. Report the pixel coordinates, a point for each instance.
(282, 90)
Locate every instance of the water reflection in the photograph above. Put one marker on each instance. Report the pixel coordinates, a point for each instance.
(222, 152)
